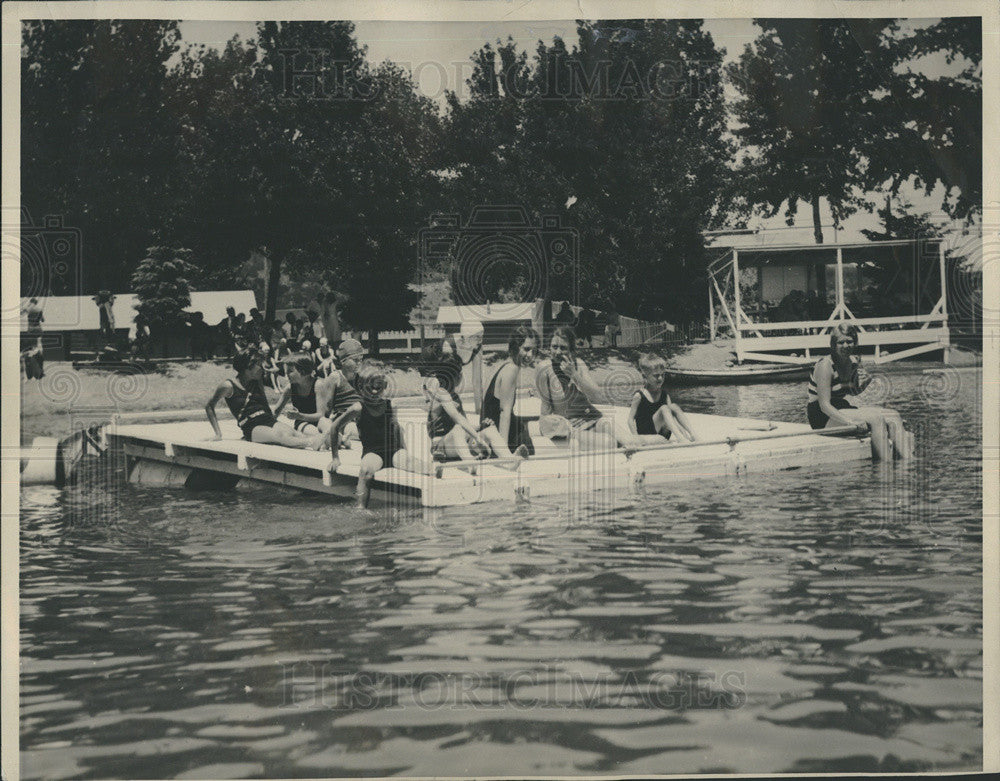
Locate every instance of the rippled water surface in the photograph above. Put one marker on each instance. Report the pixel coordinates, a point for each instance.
(793, 622)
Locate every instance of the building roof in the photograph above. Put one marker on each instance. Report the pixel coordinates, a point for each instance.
(859, 252)
(79, 313)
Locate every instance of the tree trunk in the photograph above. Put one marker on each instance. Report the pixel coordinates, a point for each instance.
(272, 266)
(817, 225)
(373, 342)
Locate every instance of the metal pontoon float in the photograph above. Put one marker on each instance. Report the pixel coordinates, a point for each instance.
(179, 454)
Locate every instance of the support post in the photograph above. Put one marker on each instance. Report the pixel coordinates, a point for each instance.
(736, 309)
(711, 315)
(840, 283)
(945, 354)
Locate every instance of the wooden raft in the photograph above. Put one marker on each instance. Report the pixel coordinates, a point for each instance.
(179, 454)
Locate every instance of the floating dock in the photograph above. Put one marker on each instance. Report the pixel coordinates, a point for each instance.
(184, 454)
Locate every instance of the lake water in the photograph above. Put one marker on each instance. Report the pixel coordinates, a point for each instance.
(793, 622)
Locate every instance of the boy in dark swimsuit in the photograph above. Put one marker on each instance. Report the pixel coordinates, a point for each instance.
(653, 417)
(381, 436)
(247, 401)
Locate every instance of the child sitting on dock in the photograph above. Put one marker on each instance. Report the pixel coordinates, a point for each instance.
(653, 417)
(247, 400)
(382, 441)
(301, 392)
(452, 435)
(339, 401)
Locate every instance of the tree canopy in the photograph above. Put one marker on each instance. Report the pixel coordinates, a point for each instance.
(292, 147)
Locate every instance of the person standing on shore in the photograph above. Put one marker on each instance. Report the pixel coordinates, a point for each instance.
(105, 301)
(35, 320)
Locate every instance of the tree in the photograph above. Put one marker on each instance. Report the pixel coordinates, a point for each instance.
(930, 129)
(266, 158)
(391, 166)
(808, 92)
(97, 139)
(634, 145)
(162, 283)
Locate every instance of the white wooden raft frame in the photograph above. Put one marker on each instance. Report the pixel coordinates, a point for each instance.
(168, 453)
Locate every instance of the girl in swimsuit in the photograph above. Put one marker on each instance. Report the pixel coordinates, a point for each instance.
(247, 401)
(301, 392)
(837, 376)
(450, 431)
(382, 441)
(498, 401)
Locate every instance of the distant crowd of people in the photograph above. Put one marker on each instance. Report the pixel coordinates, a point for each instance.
(272, 345)
(237, 333)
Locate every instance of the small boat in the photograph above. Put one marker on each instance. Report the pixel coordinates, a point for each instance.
(738, 375)
(185, 454)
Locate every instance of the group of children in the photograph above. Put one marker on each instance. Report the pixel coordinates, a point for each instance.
(330, 403)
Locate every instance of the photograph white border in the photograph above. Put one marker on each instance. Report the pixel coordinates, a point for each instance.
(451, 10)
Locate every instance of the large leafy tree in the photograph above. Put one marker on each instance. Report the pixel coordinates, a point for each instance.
(265, 155)
(391, 185)
(808, 105)
(627, 150)
(928, 129)
(838, 109)
(97, 139)
(298, 149)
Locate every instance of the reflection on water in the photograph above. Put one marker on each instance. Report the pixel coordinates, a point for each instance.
(793, 622)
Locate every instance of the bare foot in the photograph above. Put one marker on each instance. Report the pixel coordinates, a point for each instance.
(520, 454)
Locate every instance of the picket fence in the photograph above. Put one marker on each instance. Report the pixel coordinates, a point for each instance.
(634, 333)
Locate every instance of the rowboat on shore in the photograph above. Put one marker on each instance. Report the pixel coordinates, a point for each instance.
(183, 454)
(737, 375)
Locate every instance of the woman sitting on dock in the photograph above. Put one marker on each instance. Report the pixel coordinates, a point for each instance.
(837, 376)
(568, 392)
(498, 401)
(450, 431)
(247, 401)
